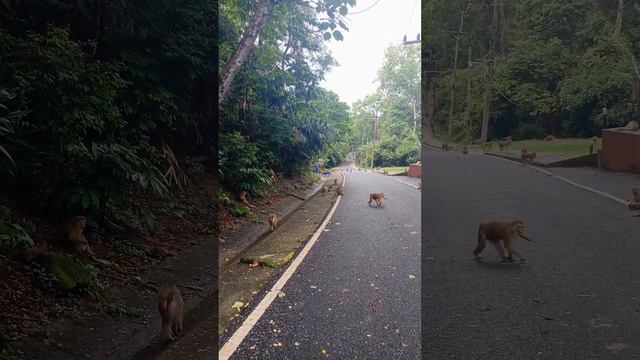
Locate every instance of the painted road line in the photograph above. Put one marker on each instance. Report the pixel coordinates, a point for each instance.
(239, 335)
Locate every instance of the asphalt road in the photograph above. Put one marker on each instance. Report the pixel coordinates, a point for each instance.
(357, 293)
(578, 295)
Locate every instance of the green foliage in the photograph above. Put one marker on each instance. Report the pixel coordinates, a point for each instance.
(530, 131)
(14, 235)
(240, 210)
(239, 164)
(561, 63)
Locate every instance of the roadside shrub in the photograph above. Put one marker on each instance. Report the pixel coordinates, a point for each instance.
(526, 131)
(239, 165)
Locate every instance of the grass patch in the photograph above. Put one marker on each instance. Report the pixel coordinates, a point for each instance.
(559, 146)
(393, 169)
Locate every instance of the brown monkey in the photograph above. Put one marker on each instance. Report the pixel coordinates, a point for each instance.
(242, 195)
(171, 307)
(378, 197)
(273, 221)
(75, 234)
(636, 194)
(465, 150)
(631, 125)
(419, 185)
(335, 181)
(504, 144)
(445, 146)
(549, 138)
(273, 175)
(325, 190)
(487, 145)
(527, 157)
(632, 205)
(340, 190)
(496, 231)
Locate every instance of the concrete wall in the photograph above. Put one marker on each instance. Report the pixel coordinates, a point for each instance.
(620, 150)
(414, 170)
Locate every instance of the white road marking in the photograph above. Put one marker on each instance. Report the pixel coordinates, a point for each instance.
(535, 168)
(238, 336)
(406, 183)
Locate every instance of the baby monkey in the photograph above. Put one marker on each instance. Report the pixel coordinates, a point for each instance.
(496, 231)
(273, 221)
(171, 307)
(378, 197)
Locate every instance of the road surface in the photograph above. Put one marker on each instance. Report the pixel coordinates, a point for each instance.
(578, 295)
(356, 295)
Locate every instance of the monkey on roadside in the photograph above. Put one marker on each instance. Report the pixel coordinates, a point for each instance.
(504, 144)
(465, 150)
(632, 125)
(419, 185)
(378, 197)
(75, 234)
(636, 194)
(171, 307)
(242, 195)
(273, 176)
(550, 138)
(487, 145)
(445, 146)
(496, 231)
(526, 156)
(335, 181)
(340, 190)
(325, 190)
(273, 221)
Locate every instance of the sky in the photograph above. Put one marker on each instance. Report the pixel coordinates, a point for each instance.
(361, 53)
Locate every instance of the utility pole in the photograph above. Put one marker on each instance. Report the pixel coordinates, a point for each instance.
(428, 71)
(467, 112)
(618, 27)
(415, 118)
(457, 35)
(489, 63)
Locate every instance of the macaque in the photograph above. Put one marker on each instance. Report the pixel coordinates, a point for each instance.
(419, 185)
(496, 231)
(273, 221)
(502, 145)
(487, 145)
(340, 191)
(632, 205)
(171, 307)
(378, 197)
(549, 138)
(75, 234)
(273, 175)
(242, 195)
(445, 146)
(335, 181)
(465, 150)
(527, 157)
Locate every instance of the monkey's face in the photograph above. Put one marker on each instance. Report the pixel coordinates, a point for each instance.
(80, 222)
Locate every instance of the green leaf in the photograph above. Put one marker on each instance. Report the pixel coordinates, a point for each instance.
(343, 10)
(338, 35)
(327, 36)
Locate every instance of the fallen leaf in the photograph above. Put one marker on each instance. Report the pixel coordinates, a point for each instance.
(323, 351)
(237, 305)
(277, 344)
(412, 276)
(281, 294)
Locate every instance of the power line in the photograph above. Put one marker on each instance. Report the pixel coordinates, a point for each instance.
(361, 11)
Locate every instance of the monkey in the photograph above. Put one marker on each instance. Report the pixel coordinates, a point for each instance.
(496, 231)
(75, 234)
(549, 138)
(325, 190)
(502, 145)
(242, 195)
(378, 197)
(419, 185)
(335, 181)
(527, 157)
(636, 194)
(507, 139)
(273, 221)
(465, 150)
(340, 190)
(171, 307)
(487, 145)
(445, 146)
(273, 175)
(631, 205)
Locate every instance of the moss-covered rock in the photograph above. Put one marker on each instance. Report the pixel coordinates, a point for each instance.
(67, 272)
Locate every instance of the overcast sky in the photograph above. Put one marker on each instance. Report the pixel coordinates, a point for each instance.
(361, 53)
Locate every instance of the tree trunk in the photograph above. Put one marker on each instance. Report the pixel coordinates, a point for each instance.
(243, 50)
(618, 27)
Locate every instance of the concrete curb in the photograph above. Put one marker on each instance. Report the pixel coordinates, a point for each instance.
(253, 233)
